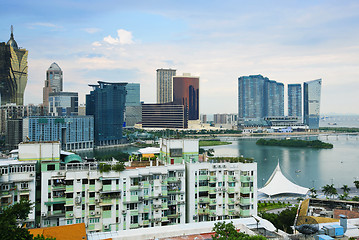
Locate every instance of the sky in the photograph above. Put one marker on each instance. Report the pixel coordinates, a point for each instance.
(126, 41)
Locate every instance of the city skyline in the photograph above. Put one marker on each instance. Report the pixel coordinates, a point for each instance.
(126, 42)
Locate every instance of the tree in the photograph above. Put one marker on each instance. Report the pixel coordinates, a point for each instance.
(329, 190)
(224, 231)
(356, 183)
(12, 221)
(313, 192)
(345, 188)
(284, 220)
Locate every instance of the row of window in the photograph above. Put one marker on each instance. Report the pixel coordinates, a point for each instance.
(17, 169)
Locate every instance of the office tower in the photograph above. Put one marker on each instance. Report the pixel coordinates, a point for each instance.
(74, 132)
(63, 103)
(259, 97)
(295, 100)
(273, 98)
(53, 82)
(13, 72)
(164, 115)
(203, 118)
(164, 85)
(186, 93)
(311, 110)
(106, 102)
(133, 112)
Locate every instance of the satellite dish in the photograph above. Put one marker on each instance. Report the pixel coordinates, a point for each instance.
(307, 225)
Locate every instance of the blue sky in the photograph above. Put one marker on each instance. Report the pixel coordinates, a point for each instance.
(286, 41)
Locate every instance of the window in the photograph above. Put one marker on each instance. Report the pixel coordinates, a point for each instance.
(134, 219)
(92, 181)
(50, 167)
(69, 221)
(91, 194)
(85, 181)
(92, 207)
(106, 208)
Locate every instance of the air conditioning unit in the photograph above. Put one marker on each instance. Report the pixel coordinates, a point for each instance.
(234, 178)
(98, 213)
(123, 211)
(71, 214)
(43, 214)
(97, 200)
(160, 194)
(92, 213)
(31, 174)
(214, 166)
(106, 226)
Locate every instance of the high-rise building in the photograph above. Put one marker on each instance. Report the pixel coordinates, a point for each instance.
(164, 85)
(165, 115)
(259, 97)
(74, 132)
(295, 100)
(63, 103)
(133, 111)
(106, 102)
(53, 82)
(186, 93)
(13, 72)
(311, 110)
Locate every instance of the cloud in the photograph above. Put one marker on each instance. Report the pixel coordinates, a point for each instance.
(92, 30)
(44, 24)
(96, 44)
(123, 37)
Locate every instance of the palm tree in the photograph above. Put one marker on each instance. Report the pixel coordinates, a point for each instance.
(356, 183)
(313, 192)
(345, 189)
(329, 190)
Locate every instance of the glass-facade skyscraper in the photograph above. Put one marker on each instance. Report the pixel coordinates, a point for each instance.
(133, 111)
(295, 100)
(259, 97)
(311, 110)
(106, 102)
(13, 72)
(186, 93)
(53, 82)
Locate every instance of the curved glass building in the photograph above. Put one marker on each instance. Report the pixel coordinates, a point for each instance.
(13, 72)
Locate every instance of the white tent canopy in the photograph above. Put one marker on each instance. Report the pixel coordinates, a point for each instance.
(279, 184)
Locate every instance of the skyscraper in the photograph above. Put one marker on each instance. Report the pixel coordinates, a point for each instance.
(164, 85)
(259, 97)
(311, 110)
(133, 111)
(186, 92)
(106, 102)
(295, 100)
(13, 72)
(53, 82)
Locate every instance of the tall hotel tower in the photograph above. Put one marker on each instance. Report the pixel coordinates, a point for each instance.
(295, 100)
(312, 91)
(106, 102)
(164, 85)
(53, 82)
(13, 72)
(259, 97)
(186, 93)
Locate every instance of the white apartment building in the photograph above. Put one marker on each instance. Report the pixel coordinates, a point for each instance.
(220, 190)
(17, 182)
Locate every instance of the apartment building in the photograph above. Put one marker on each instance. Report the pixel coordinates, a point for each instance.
(221, 190)
(17, 182)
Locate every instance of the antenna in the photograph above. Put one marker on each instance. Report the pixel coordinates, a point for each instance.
(12, 30)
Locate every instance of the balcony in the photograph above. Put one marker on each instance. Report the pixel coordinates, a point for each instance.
(69, 201)
(172, 179)
(212, 179)
(91, 188)
(204, 200)
(133, 225)
(203, 177)
(58, 187)
(245, 213)
(106, 201)
(231, 179)
(231, 201)
(56, 201)
(175, 215)
(213, 201)
(246, 178)
(245, 201)
(213, 212)
(231, 190)
(106, 188)
(134, 212)
(135, 188)
(164, 219)
(145, 222)
(57, 213)
(245, 190)
(69, 214)
(203, 211)
(106, 214)
(70, 188)
(91, 200)
(203, 189)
